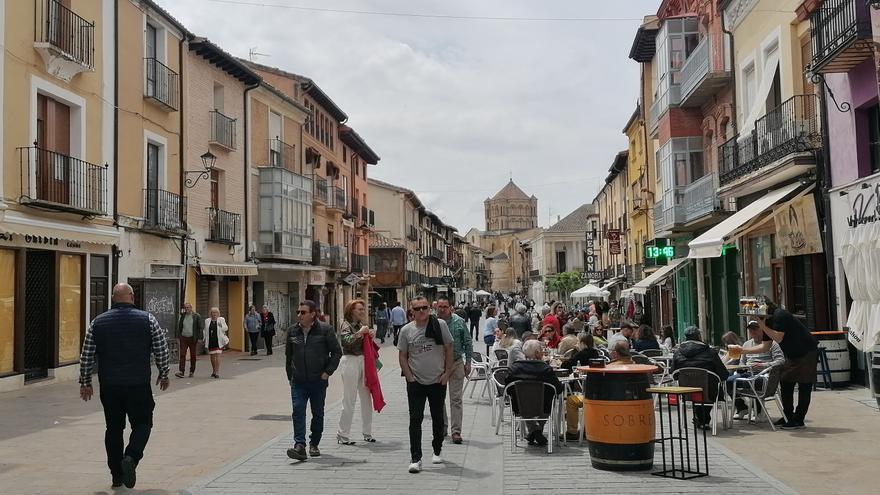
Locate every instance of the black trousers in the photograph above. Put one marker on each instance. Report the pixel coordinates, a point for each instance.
(475, 329)
(119, 401)
(396, 332)
(416, 395)
(255, 341)
(267, 338)
(805, 393)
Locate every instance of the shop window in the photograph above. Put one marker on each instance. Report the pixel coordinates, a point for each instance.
(761, 251)
(872, 115)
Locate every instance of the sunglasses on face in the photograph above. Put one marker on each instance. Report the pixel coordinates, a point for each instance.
(300, 312)
(420, 308)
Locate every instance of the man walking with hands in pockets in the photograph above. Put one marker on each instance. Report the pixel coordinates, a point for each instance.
(426, 362)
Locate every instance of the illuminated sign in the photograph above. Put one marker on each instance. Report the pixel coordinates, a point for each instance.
(659, 251)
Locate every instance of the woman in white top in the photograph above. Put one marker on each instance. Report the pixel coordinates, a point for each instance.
(215, 339)
(489, 328)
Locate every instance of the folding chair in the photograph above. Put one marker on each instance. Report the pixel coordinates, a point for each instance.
(704, 379)
(762, 387)
(499, 400)
(500, 354)
(479, 372)
(530, 400)
(651, 353)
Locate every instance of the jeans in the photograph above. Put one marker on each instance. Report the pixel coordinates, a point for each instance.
(381, 329)
(188, 343)
(740, 403)
(416, 394)
(805, 392)
(314, 392)
(119, 401)
(396, 332)
(255, 341)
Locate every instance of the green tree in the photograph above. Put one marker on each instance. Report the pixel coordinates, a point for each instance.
(564, 283)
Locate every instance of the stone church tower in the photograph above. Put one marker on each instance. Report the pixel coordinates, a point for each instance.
(511, 209)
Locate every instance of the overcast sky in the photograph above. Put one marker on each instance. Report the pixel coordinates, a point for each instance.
(455, 106)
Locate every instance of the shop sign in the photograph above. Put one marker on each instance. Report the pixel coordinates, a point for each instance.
(864, 204)
(38, 240)
(351, 279)
(317, 277)
(590, 252)
(613, 241)
(797, 228)
(229, 270)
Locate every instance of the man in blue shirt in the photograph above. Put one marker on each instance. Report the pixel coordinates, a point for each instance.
(398, 319)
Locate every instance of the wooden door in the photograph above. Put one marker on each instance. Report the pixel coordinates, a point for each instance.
(53, 150)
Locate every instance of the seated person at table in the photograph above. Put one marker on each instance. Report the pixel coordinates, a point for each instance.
(599, 335)
(585, 352)
(570, 341)
(755, 364)
(620, 353)
(647, 339)
(729, 339)
(497, 334)
(512, 345)
(549, 336)
(573, 402)
(534, 368)
(667, 338)
(627, 329)
(693, 353)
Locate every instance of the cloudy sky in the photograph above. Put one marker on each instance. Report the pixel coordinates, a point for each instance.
(455, 106)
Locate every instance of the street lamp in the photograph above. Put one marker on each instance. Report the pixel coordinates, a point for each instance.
(208, 160)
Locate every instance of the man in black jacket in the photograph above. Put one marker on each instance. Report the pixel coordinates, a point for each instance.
(474, 315)
(120, 341)
(693, 353)
(312, 355)
(533, 368)
(520, 321)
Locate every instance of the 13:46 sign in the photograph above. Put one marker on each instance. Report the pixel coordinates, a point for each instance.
(660, 251)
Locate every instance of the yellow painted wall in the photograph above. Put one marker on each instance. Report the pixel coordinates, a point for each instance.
(21, 64)
(235, 317)
(7, 310)
(69, 307)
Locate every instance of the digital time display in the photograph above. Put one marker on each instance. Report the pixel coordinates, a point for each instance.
(655, 252)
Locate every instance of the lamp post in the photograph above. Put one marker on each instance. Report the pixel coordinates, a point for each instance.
(208, 160)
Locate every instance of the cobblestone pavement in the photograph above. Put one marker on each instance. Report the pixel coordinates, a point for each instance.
(484, 464)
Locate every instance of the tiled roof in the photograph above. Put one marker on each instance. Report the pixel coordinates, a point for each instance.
(575, 221)
(510, 191)
(381, 241)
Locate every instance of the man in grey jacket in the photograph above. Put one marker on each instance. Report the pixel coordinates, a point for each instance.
(312, 354)
(190, 330)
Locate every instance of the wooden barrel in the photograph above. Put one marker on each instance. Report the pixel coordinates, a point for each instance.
(838, 357)
(619, 417)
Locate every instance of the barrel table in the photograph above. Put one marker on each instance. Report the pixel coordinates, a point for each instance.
(837, 351)
(619, 416)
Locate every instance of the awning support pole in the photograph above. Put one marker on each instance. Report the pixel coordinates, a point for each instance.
(701, 299)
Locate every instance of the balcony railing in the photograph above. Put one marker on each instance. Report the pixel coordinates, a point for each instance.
(706, 70)
(352, 209)
(329, 256)
(840, 31)
(225, 226)
(222, 130)
(412, 233)
(67, 34)
(336, 199)
(700, 198)
(790, 128)
(360, 263)
(437, 254)
(667, 216)
(164, 211)
(60, 182)
(281, 154)
(161, 84)
(320, 189)
(368, 217)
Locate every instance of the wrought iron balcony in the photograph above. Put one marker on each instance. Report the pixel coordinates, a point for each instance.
(336, 199)
(360, 263)
(790, 128)
(282, 155)
(368, 218)
(65, 40)
(437, 254)
(412, 233)
(700, 198)
(225, 227)
(222, 130)
(352, 209)
(705, 71)
(60, 182)
(329, 256)
(320, 189)
(164, 212)
(668, 214)
(162, 84)
(840, 32)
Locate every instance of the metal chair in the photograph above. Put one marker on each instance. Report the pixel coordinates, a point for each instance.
(499, 401)
(762, 387)
(530, 399)
(500, 354)
(479, 372)
(704, 379)
(652, 353)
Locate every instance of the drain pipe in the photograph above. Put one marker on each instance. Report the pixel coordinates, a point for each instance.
(182, 161)
(247, 172)
(114, 249)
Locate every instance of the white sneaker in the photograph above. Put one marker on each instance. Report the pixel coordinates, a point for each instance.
(436, 459)
(415, 467)
(760, 418)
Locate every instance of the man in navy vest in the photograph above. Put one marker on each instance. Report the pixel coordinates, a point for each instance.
(121, 341)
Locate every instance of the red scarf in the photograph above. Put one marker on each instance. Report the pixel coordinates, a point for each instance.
(371, 374)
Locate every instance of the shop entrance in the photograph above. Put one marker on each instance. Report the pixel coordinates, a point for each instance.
(39, 313)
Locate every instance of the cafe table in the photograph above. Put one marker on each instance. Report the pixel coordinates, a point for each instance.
(685, 470)
(567, 389)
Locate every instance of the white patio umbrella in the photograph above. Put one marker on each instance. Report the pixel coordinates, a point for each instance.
(590, 290)
(482, 293)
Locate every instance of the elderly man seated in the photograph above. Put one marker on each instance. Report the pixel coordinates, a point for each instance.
(570, 341)
(533, 368)
(620, 353)
(627, 329)
(756, 363)
(694, 353)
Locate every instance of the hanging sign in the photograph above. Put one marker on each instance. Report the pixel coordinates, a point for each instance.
(797, 228)
(613, 241)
